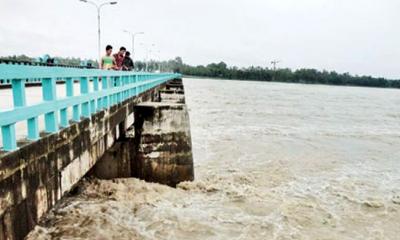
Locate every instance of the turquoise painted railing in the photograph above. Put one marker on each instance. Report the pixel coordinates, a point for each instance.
(7, 82)
(109, 88)
(37, 81)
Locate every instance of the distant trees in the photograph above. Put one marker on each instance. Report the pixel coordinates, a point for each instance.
(22, 58)
(223, 71)
(57, 60)
(75, 62)
(307, 76)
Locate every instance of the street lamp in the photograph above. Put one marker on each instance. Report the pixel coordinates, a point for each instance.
(98, 7)
(274, 63)
(133, 35)
(148, 57)
(158, 58)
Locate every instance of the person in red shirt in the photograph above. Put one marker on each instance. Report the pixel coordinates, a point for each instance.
(119, 58)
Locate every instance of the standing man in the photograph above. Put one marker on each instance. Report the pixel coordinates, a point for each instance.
(108, 61)
(119, 58)
(127, 64)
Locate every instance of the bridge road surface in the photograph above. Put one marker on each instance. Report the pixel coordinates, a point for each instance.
(34, 96)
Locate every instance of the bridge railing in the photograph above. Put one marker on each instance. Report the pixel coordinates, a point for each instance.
(109, 88)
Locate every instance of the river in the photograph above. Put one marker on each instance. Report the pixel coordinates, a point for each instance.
(272, 161)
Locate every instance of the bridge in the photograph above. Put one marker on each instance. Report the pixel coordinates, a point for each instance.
(109, 124)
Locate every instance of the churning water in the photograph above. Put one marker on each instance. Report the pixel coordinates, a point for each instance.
(272, 161)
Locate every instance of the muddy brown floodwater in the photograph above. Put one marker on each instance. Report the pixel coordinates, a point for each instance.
(272, 160)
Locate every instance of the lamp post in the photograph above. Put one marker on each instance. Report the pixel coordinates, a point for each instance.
(98, 7)
(159, 60)
(133, 35)
(274, 63)
(149, 52)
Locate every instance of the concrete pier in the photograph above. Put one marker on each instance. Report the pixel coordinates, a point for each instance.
(158, 147)
(163, 143)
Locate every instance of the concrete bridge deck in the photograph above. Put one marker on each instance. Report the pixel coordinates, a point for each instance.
(80, 133)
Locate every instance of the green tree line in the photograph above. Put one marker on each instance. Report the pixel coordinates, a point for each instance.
(70, 61)
(307, 76)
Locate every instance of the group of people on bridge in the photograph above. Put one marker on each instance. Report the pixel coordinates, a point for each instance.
(120, 61)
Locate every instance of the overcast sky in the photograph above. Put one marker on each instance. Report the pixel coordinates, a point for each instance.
(356, 36)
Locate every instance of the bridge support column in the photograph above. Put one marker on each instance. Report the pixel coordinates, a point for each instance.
(163, 143)
(116, 162)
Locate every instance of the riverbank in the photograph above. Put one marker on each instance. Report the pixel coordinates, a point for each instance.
(304, 82)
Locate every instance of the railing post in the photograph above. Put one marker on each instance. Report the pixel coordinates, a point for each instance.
(128, 82)
(112, 96)
(118, 83)
(19, 96)
(126, 92)
(19, 99)
(33, 129)
(142, 78)
(96, 84)
(64, 118)
(124, 82)
(137, 88)
(100, 100)
(94, 101)
(104, 86)
(64, 112)
(132, 89)
(9, 139)
(70, 87)
(18, 88)
(144, 83)
(70, 93)
(84, 84)
(146, 86)
(49, 94)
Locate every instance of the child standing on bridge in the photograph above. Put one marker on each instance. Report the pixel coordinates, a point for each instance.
(119, 58)
(127, 64)
(108, 61)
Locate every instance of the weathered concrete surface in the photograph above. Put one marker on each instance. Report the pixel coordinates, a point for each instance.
(163, 143)
(167, 156)
(173, 96)
(116, 162)
(174, 92)
(175, 85)
(37, 175)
